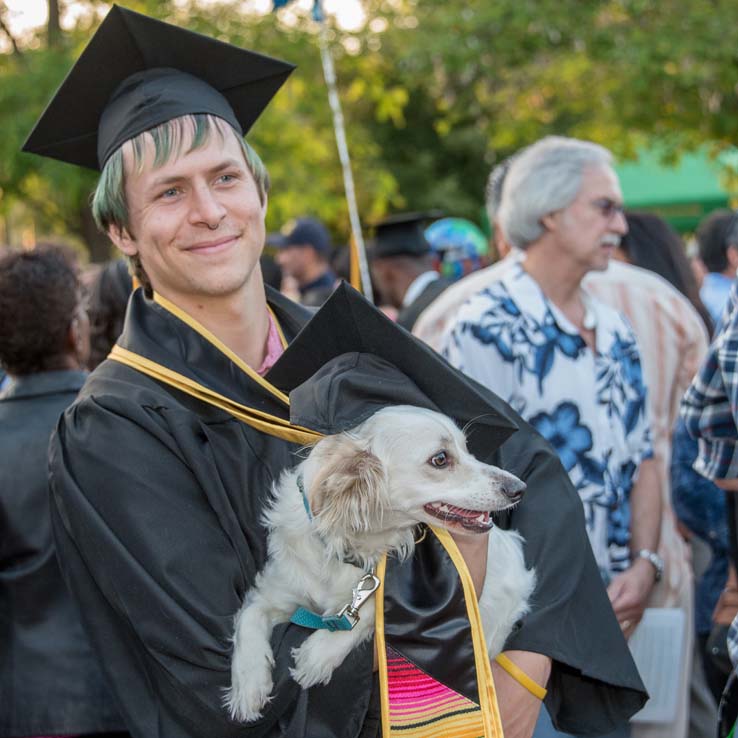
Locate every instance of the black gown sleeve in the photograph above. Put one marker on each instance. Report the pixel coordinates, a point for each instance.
(594, 684)
(144, 549)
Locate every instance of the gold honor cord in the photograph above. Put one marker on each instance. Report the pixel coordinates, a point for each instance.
(257, 419)
(260, 421)
(211, 338)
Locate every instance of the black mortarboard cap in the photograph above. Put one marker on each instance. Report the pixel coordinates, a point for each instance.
(403, 234)
(350, 360)
(137, 72)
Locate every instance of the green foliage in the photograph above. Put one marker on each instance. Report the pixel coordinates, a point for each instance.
(434, 92)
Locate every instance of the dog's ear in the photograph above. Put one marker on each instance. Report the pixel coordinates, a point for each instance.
(349, 490)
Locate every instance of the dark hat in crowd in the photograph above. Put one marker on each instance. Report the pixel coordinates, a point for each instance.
(274, 240)
(403, 235)
(136, 73)
(309, 232)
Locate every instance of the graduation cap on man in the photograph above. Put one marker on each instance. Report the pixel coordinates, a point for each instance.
(138, 72)
(403, 234)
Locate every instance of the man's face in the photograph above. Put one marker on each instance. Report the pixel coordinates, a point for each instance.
(589, 229)
(385, 282)
(196, 222)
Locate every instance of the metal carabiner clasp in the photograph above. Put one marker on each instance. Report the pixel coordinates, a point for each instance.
(364, 589)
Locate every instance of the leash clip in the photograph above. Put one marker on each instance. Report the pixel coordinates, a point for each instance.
(364, 589)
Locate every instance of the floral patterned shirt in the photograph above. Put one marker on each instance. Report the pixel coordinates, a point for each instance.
(590, 405)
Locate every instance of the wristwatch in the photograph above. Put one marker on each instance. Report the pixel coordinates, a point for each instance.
(655, 559)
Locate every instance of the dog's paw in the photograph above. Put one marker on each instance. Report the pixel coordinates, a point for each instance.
(316, 659)
(250, 690)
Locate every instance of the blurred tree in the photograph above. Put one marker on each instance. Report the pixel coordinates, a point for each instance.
(434, 93)
(484, 79)
(53, 27)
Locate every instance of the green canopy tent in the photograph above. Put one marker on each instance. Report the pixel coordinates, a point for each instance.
(682, 193)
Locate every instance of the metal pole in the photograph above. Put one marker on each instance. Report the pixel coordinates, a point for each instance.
(348, 181)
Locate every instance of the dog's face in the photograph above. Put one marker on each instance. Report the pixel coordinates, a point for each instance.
(403, 466)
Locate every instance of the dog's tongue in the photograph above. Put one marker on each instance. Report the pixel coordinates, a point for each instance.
(473, 520)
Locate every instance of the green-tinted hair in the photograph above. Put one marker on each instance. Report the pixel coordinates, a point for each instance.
(109, 204)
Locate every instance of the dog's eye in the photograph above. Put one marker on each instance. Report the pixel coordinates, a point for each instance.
(439, 460)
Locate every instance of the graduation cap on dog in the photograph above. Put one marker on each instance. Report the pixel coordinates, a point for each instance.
(350, 360)
(138, 72)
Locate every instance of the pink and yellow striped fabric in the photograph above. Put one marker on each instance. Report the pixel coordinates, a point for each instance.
(421, 706)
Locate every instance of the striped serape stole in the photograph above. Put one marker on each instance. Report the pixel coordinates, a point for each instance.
(435, 675)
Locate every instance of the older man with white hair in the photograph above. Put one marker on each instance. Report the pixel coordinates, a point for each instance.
(569, 364)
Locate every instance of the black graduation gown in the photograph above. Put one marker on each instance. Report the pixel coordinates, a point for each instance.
(156, 504)
(408, 315)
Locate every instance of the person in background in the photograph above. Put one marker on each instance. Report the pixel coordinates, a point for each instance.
(717, 240)
(433, 323)
(270, 271)
(650, 281)
(109, 295)
(304, 255)
(50, 680)
(459, 247)
(709, 411)
(402, 266)
(568, 363)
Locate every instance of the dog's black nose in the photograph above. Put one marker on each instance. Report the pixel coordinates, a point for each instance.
(513, 489)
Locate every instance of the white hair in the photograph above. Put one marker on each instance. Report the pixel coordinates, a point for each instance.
(495, 183)
(544, 178)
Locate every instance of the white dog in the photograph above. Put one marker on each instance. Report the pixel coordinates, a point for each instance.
(367, 490)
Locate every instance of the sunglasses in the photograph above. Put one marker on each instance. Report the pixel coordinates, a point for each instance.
(608, 207)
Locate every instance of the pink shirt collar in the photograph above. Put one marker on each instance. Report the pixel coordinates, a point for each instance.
(274, 348)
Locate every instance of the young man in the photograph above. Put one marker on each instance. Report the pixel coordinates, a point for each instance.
(160, 472)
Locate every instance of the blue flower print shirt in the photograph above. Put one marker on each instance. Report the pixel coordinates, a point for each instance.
(590, 405)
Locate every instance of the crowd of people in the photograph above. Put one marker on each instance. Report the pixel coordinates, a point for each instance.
(145, 414)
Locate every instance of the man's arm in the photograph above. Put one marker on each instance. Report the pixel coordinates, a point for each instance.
(629, 591)
(710, 404)
(518, 707)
